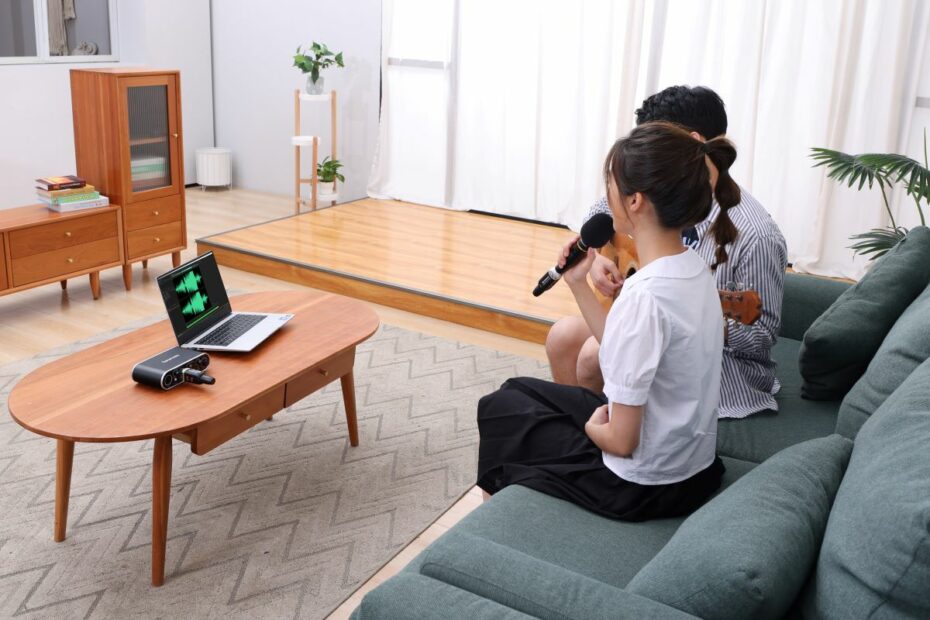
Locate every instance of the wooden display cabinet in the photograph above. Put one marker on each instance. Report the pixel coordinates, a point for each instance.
(128, 143)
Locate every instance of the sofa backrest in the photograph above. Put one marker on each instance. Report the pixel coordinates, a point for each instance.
(806, 298)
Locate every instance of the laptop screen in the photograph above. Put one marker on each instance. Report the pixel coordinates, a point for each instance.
(194, 296)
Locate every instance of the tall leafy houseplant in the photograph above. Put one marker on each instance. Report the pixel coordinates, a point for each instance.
(885, 170)
(316, 58)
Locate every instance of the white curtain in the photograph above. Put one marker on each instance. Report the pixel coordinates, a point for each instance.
(525, 97)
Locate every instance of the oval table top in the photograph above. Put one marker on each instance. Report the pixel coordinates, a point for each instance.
(90, 395)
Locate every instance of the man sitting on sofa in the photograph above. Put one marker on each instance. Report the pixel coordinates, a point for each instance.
(757, 260)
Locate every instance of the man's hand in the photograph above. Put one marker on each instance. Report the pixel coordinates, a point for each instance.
(605, 276)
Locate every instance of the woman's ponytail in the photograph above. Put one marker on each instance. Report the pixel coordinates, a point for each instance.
(722, 154)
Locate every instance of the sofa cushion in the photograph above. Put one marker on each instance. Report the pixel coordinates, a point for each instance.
(417, 597)
(839, 345)
(762, 434)
(747, 553)
(805, 299)
(875, 558)
(529, 585)
(904, 349)
(563, 534)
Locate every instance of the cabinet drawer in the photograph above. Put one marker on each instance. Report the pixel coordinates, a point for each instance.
(70, 232)
(153, 240)
(64, 261)
(152, 212)
(313, 379)
(3, 283)
(216, 432)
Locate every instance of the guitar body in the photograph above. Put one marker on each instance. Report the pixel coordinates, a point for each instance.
(742, 306)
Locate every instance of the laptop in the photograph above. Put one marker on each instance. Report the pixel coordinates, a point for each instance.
(200, 313)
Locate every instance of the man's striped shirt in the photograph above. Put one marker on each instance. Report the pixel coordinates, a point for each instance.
(757, 260)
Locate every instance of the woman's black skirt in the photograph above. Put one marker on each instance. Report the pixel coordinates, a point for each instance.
(532, 434)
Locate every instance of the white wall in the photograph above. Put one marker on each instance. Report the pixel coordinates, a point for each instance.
(36, 132)
(253, 48)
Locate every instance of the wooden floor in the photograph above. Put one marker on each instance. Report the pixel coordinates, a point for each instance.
(36, 320)
(467, 268)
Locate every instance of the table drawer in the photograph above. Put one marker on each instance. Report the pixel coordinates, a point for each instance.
(70, 232)
(3, 283)
(65, 261)
(217, 432)
(152, 212)
(148, 241)
(313, 379)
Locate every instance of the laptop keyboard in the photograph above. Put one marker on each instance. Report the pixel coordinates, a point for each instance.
(226, 333)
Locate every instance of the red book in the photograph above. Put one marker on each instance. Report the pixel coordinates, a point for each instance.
(56, 183)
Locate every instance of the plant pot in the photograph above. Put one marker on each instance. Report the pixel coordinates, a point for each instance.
(314, 88)
(326, 187)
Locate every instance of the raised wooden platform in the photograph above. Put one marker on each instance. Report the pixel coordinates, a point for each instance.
(476, 270)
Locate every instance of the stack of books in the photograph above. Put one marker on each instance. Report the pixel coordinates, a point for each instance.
(70, 193)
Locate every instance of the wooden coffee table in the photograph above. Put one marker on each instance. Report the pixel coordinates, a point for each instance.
(90, 396)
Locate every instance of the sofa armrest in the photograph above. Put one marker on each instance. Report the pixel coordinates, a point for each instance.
(415, 597)
(530, 585)
(806, 298)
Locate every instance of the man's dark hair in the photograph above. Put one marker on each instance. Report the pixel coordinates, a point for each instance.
(696, 108)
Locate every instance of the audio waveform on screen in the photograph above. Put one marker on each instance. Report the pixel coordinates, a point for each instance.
(189, 283)
(195, 305)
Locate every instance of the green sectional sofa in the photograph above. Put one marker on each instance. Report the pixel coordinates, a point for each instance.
(809, 523)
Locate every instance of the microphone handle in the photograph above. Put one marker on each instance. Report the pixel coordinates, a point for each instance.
(555, 274)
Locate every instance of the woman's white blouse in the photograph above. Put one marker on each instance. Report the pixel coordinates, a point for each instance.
(662, 348)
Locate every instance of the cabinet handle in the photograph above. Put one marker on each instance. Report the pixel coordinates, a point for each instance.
(155, 213)
(247, 416)
(157, 239)
(175, 135)
(68, 233)
(70, 260)
(324, 372)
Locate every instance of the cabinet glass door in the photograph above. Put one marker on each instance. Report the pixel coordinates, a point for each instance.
(151, 127)
(149, 152)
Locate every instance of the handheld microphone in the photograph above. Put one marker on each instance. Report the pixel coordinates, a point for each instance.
(596, 232)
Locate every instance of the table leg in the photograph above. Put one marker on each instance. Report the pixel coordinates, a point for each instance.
(161, 494)
(176, 259)
(127, 276)
(64, 285)
(145, 263)
(65, 458)
(348, 397)
(95, 284)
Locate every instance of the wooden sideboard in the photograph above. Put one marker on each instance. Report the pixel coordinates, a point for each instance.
(40, 246)
(128, 143)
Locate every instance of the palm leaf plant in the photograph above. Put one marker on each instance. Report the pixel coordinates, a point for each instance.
(885, 170)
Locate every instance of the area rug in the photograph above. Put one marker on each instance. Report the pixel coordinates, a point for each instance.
(285, 521)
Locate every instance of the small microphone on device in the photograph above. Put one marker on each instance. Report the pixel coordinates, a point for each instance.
(596, 232)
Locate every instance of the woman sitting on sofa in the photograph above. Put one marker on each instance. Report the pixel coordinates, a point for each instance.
(646, 448)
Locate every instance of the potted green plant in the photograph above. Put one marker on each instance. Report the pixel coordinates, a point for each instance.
(886, 170)
(327, 172)
(316, 58)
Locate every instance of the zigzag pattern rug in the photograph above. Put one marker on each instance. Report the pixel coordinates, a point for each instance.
(285, 521)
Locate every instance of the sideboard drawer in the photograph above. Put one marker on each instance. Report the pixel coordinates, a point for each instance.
(3, 282)
(153, 212)
(216, 432)
(57, 263)
(313, 379)
(153, 240)
(71, 232)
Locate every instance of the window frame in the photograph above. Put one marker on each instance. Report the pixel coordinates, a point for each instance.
(42, 57)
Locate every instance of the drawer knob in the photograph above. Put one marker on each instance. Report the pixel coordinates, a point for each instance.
(70, 260)
(68, 233)
(175, 135)
(155, 213)
(157, 239)
(247, 416)
(324, 372)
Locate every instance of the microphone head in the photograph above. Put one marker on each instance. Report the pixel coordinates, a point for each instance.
(598, 230)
